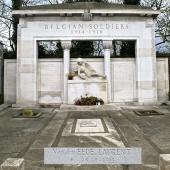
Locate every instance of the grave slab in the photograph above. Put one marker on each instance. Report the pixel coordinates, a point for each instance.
(89, 125)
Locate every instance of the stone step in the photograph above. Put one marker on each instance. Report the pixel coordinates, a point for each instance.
(89, 108)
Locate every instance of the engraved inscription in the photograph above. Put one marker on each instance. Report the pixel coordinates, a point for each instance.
(82, 28)
(88, 124)
(92, 156)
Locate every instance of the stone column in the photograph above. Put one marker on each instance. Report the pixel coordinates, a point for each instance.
(146, 66)
(66, 47)
(107, 45)
(26, 80)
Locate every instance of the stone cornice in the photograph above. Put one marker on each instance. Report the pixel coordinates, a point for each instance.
(102, 12)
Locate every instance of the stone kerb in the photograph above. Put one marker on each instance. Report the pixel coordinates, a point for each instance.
(13, 164)
(164, 162)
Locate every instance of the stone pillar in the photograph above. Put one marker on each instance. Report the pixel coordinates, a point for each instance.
(66, 47)
(164, 162)
(107, 45)
(26, 81)
(13, 164)
(146, 66)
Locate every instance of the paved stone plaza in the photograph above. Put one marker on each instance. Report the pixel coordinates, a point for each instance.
(27, 137)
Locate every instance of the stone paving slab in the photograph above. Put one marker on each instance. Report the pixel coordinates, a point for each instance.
(64, 138)
(54, 128)
(109, 138)
(35, 154)
(133, 137)
(156, 129)
(16, 135)
(3, 107)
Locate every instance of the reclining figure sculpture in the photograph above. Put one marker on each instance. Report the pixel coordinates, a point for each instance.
(85, 71)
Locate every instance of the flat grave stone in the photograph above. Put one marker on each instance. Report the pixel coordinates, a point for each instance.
(89, 126)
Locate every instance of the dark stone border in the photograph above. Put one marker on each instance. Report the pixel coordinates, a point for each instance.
(19, 115)
(144, 113)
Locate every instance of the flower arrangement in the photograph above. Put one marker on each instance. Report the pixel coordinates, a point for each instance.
(87, 101)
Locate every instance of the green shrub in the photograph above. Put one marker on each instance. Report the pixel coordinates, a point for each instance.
(27, 112)
(87, 101)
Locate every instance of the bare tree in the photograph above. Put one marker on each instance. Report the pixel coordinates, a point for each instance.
(163, 20)
(38, 2)
(163, 27)
(6, 20)
(98, 48)
(5, 23)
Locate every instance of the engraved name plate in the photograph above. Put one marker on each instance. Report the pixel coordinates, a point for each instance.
(73, 156)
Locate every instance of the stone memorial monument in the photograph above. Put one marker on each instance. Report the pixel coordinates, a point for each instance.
(126, 79)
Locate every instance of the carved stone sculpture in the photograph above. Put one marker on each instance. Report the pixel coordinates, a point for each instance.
(85, 71)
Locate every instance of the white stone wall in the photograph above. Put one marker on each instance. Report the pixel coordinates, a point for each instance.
(123, 80)
(78, 88)
(50, 79)
(163, 79)
(10, 81)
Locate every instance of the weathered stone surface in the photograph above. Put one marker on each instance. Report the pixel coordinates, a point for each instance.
(164, 162)
(10, 81)
(123, 80)
(50, 89)
(162, 79)
(13, 164)
(78, 88)
(123, 129)
(17, 134)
